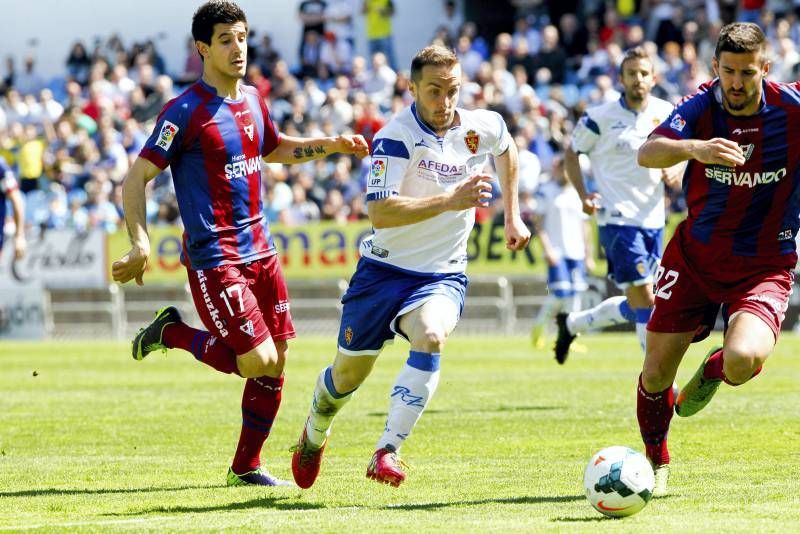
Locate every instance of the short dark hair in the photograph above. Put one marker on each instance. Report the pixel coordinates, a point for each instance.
(434, 55)
(632, 54)
(740, 38)
(211, 13)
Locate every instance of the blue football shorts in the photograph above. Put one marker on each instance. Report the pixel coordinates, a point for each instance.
(567, 277)
(633, 253)
(379, 294)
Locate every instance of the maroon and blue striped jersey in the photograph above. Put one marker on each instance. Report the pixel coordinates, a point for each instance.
(214, 147)
(750, 210)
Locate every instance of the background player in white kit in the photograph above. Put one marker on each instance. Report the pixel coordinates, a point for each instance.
(423, 187)
(563, 231)
(629, 203)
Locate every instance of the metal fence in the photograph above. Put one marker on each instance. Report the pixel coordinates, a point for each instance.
(494, 305)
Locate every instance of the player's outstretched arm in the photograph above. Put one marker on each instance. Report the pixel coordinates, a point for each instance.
(507, 164)
(132, 265)
(299, 149)
(659, 152)
(400, 211)
(18, 207)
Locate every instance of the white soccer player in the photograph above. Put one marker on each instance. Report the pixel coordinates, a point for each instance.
(562, 229)
(425, 182)
(629, 203)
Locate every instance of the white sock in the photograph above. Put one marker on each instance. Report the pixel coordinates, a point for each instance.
(547, 311)
(574, 304)
(413, 388)
(641, 333)
(642, 317)
(324, 406)
(609, 312)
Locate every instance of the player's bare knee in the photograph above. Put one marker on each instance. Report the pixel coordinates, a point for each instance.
(655, 376)
(347, 378)
(431, 339)
(739, 366)
(262, 361)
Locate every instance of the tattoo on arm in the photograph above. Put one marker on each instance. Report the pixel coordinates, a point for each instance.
(309, 152)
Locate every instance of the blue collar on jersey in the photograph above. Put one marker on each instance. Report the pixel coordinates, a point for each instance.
(424, 127)
(213, 92)
(625, 104)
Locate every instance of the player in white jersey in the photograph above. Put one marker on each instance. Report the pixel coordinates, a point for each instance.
(562, 229)
(629, 203)
(425, 182)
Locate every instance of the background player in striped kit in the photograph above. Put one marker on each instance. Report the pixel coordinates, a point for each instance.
(736, 249)
(425, 182)
(213, 136)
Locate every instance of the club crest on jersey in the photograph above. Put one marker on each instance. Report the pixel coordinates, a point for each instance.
(167, 135)
(247, 328)
(747, 150)
(377, 171)
(348, 335)
(677, 123)
(472, 141)
(247, 122)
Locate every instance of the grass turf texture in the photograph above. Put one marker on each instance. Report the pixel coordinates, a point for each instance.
(92, 440)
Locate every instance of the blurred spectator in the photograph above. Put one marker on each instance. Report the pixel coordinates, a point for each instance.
(8, 80)
(310, 56)
(29, 82)
(78, 63)
(312, 16)
(378, 23)
(336, 54)
(379, 84)
(551, 56)
(30, 159)
(452, 20)
(255, 77)
(192, 65)
(368, 121)
(339, 16)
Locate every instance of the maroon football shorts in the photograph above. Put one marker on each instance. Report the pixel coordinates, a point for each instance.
(243, 304)
(690, 289)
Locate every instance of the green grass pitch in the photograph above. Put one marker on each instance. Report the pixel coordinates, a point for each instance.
(92, 440)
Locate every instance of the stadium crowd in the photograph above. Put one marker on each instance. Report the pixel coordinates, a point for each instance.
(71, 139)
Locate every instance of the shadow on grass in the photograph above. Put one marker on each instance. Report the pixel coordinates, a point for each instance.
(100, 491)
(275, 503)
(501, 409)
(506, 500)
(594, 519)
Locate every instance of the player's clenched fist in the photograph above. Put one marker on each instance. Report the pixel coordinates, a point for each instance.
(130, 266)
(474, 192)
(719, 151)
(353, 144)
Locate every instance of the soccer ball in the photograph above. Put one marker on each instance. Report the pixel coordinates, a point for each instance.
(619, 481)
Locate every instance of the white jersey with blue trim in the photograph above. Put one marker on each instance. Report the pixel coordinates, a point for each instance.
(563, 219)
(611, 134)
(410, 160)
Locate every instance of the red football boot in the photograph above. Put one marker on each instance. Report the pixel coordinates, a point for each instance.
(386, 467)
(306, 461)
